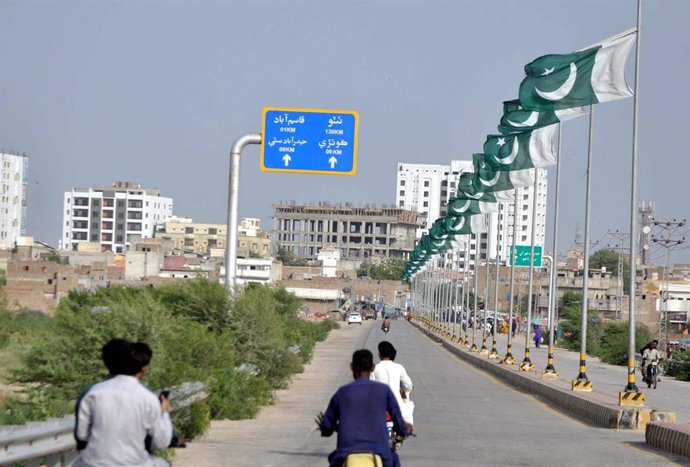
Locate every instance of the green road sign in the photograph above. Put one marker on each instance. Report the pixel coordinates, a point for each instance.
(523, 254)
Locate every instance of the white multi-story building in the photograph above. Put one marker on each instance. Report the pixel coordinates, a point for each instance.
(427, 188)
(112, 216)
(14, 172)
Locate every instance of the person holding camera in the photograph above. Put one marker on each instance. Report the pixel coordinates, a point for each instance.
(114, 417)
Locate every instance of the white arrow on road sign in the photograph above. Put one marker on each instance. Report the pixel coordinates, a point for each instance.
(287, 159)
(331, 161)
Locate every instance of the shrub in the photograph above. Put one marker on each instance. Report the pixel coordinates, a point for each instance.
(614, 342)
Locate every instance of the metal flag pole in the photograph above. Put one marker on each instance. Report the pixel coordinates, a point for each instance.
(447, 282)
(494, 353)
(484, 350)
(582, 382)
(451, 301)
(509, 359)
(631, 386)
(550, 370)
(474, 289)
(457, 292)
(527, 364)
(466, 296)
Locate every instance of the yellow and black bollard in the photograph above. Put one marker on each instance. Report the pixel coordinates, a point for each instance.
(582, 382)
(550, 370)
(527, 364)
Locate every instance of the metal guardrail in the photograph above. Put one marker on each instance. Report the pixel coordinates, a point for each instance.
(51, 443)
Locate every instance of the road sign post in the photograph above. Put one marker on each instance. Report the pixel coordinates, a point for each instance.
(309, 141)
(523, 254)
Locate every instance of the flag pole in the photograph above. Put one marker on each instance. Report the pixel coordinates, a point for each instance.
(494, 353)
(553, 297)
(474, 288)
(582, 382)
(484, 350)
(509, 359)
(527, 364)
(631, 387)
(466, 295)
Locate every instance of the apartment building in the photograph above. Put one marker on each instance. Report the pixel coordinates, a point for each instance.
(13, 181)
(112, 216)
(356, 232)
(206, 239)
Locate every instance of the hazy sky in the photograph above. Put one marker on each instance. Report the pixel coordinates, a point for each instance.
(157, 91)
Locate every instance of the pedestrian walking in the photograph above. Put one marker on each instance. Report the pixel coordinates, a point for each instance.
(537, 336)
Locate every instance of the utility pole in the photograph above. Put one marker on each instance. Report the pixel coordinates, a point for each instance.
(668, 241)
(620, 239)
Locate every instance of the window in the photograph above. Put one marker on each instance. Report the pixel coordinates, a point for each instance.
(426, 204)
(402, 192)
(402, 204)
(189, 230)
(212, 231)
(426, 194)
(402, 182)
(426, 183)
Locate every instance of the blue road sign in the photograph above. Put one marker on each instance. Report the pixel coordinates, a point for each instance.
(309, 141)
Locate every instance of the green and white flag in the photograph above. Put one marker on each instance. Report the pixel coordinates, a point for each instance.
(466, 189)
(489, 180)
(586, 77)
(464, 225)
(463, 206)
(516, 120)
(526, 150)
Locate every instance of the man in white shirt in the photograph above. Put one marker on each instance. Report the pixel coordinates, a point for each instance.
(650, 354)
(116, 415)
(394, 375)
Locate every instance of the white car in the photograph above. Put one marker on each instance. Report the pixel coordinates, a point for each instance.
(354, 317)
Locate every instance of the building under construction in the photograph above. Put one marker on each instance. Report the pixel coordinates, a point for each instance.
(357, 232)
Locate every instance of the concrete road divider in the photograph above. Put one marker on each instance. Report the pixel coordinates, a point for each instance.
(671, 437)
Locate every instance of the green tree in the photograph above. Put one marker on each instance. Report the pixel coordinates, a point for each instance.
(609, 259)
(386, 269)
(53, 256)
(571, 315)
(288, 258)
(614, 342)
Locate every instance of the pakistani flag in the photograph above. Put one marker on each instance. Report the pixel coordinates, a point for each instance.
(465, 225)
(463, 206)
(516, 119)
(586, 77)
(526, 150)
(489, 180)
(467, 189)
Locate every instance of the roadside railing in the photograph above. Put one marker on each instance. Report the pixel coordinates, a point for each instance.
(51, 443)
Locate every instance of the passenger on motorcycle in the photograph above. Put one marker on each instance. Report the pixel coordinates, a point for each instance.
(394, 375)
(357, 411)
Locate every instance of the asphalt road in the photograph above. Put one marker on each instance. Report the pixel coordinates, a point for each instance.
(463, 417)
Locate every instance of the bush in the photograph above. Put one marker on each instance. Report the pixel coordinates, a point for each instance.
(241, 350)
(614, 342)
(679, 366)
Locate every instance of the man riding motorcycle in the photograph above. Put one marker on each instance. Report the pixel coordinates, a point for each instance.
(395, 376)
(650, 354)
(357, 411)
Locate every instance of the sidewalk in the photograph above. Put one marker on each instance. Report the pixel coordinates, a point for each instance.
(264, 440)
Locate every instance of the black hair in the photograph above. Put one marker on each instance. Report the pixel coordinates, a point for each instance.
(362, 360)
(141, 354)
(386, 350)
(123, 357)
(115, 355)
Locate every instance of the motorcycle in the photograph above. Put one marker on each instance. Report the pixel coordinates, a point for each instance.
(653, 373)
